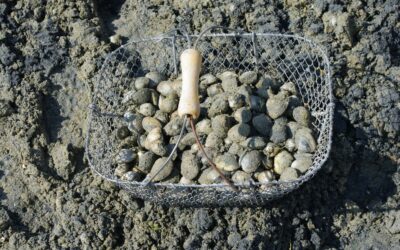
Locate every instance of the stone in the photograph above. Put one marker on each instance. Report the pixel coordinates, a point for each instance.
(132, 176)
(277, 105)
(147, 109)
(190, 166)
(173, 127)
(236, 101)
(146, 161)
(168, 104)
(289, 174)
(164, 172)
(290, 145)
(302, 164)
(250, 161)
(149, 123)
(263, 124)
(203, 127)
(248, 77)
(265, 176)
(208, 79)
(209, 176)
(255, 142)
(282, 161)
(239, 132)
(161, 116)
(214, 90)
(123, 132)
(240, 177)
(219, 106)
(121, 169)
(165, 88)
(141, 96)
(257, 104)
(214, 140)
(227, 162)
(115, 39)
(221, 124)
(272, 149)
(236, 149)
(141, 83)
(304, 140)
(126, 156)
(290, 87)
(301, 116)
(292, 128)
(278, 133)
(155, 78)
(242, 115)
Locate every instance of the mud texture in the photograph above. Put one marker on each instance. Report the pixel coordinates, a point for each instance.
(49, 53)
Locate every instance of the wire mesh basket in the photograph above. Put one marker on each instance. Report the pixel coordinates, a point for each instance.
(285, 57)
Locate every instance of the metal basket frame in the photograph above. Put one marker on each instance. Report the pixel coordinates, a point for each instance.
(286, 57)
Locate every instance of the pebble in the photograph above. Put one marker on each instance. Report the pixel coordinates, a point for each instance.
(168, 104)
(165, 172)
(142, 96)
(290, 145)
(116, 39)
(282, 161)
(301, 116)
(203, 127)
(241, 177)
(278, 133)
(289, 174)
(249, 77)
(211, 152)
(208, 79)
(250, 161)
(149, 123)
(129, 116)
(123, 132)
(154, 97)
(290, 87)
(236, 101)
(218, 106)
(221, 124)
(209, 176)
(141, 83)
(236, 149)
(126, 156)
(277, 105)
(292, 128)
(185, 181)
(242, 115)
(173, 127)
(155, 78)
(257, 104)
(147, 109)
(265, 176)
(271, 150)
(121, 169)
(161, 116)
(263, 124)
(227, 162)
(214, 90)
(304, 140)
(188, 139)
(132, 176)
(214, 140)
(239, 132)
(255, 142)
(155, 142)
(165, 88)
(302, 164)
(190, 165)
(146, 161)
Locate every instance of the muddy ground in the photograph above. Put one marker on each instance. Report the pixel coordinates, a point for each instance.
(49, 198)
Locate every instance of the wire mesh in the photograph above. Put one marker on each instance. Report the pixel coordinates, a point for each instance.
(284, 57)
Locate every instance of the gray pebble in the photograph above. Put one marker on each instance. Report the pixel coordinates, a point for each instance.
(305, 142)
(173, 127)
(161, 116)
(146, 161)
(302, 164)
(227, 162)
(282, 161)
(271, 149)
(129, 116)
(218, 106)
(246, 91)
(263, 85)
(126, 156)
(236, 101)
(255, 142)
(242, 115)
(277, 105)
(168, 104)
(292, 128)
(190, 166)
(211, 152)
(289, 174)
(214, 140)
(165, 172)
(249, 77)
(290, 145)
(301, 116)
(209, 176)
(236, 149)
(121, 169)
(165, 88)
(263, 124)
(265, 176)
(239, 132)
(278, 133)
(154, 97)
(241, 177)
(208, 79)
(203, 127)
(155, 78)
(132, 176)
(188, 139)
(257, 104)
(221, 124)
(185, 181)
(294, 102)
(250, 161)
(290, 87)
(214, 90)
(149, 123)
(142, 96)
(229, 85)
(142, 82)
(147, 109)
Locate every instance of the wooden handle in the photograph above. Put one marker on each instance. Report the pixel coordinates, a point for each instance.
(189, 102)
